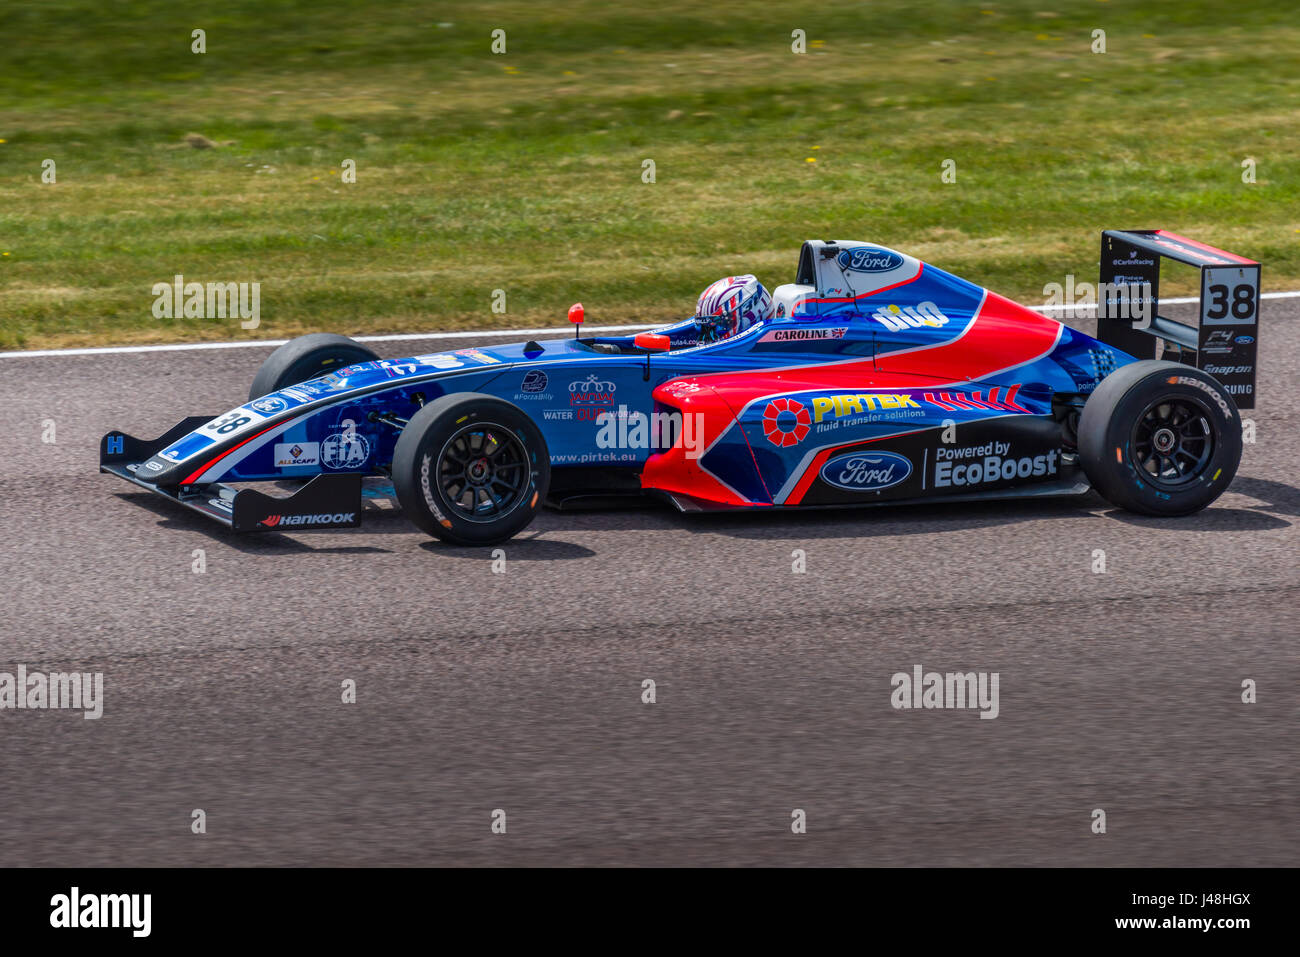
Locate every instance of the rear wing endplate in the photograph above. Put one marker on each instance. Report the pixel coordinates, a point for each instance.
(1224, 343)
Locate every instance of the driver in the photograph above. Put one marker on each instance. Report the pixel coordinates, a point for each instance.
(730, 306)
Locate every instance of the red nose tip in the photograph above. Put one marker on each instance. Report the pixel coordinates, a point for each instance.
(575, 312)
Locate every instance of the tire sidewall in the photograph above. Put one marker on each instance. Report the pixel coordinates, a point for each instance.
(415, 467)
(1106, 436)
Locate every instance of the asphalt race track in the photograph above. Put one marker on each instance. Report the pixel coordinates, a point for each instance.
(522, 691)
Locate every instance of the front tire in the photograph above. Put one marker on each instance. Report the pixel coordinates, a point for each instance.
(1160, 438)
(306, 357)
(471, 469)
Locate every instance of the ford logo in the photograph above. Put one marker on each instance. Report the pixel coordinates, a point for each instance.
(868, 259)
(270, 405)
(1244, 340)
(866, 471)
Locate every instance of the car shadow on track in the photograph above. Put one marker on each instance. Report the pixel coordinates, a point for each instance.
(275, 543)
(758, 525)
(178, 518)
(1279, 496)
(1211, 520)
(884, 521)
(1276, 496)
(849, 522)
(890, 521)
(528, 547)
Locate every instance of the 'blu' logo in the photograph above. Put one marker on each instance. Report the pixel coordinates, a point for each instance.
(866, 471)
(1244, 340)
(868, 259)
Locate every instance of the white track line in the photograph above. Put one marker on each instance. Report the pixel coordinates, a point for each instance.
(476, 334)
(268, 343)
(1176, 301)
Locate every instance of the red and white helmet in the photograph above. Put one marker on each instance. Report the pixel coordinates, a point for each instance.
(737, 301)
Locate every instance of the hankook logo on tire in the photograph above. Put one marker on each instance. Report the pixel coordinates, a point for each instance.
(427, 491)
(1208, 389)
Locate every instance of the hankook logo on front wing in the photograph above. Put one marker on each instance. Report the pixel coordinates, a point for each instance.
(337, 518)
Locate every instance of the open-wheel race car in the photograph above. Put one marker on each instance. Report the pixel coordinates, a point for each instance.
(872, 379)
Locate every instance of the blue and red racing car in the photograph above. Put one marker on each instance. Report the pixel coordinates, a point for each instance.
(873, 378)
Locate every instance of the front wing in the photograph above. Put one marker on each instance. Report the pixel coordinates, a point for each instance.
(330, 500)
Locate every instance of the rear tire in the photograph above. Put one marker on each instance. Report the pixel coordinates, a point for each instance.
(471, 469)
(1160, 438)
(306, 357)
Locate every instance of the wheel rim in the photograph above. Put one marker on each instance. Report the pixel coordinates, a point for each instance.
(483, 472)
(1173, 442)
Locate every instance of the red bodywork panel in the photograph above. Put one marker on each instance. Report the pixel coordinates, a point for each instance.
(1002, 336)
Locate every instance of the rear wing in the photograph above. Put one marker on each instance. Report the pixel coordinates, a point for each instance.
(1224, 342)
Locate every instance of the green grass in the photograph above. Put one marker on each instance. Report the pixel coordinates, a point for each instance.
(522, 172)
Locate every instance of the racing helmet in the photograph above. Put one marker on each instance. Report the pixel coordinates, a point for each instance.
(732, 305)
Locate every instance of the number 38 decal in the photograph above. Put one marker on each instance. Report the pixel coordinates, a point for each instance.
(1239, 300)
(228, 423)
(232, 423)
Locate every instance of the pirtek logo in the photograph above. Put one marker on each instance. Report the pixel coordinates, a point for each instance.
(338, 518)
(841, 405)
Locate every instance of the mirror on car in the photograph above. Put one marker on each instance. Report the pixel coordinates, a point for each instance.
(652, 342)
